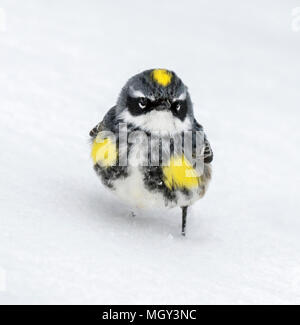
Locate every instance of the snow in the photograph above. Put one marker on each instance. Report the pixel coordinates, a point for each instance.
(64, 238)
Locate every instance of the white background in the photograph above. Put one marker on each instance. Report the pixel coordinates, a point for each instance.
(66, 239)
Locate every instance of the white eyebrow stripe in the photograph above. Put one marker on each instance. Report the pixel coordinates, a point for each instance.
(137, 94)
(181, 97)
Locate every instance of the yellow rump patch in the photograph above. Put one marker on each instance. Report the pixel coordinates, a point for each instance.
(180, 174)
(162, 77)
(104, 153)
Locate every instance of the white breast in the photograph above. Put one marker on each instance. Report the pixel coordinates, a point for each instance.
(132, 190)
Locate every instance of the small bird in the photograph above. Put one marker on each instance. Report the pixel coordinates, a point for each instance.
(149, 149)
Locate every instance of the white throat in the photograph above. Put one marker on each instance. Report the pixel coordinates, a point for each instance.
(162, 122)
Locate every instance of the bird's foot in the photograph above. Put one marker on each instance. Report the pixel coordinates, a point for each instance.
(132, 214)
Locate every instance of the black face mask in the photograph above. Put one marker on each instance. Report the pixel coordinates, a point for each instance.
(142, 105)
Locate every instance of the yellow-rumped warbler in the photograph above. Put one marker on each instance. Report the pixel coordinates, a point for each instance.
(149, 149)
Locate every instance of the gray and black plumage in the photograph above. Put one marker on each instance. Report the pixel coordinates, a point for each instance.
(165, 158)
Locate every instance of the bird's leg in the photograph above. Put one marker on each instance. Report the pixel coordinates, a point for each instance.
(184, 212)
(132, 214)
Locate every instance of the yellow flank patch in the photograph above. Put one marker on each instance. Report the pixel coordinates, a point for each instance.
(162, 77)
(180, 174)
(104, 153)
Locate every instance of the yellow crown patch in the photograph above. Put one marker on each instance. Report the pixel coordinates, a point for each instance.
(162, 77)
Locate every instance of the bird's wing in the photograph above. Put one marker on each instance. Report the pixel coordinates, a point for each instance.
(104, 147)
(107, 123)
(208, 153)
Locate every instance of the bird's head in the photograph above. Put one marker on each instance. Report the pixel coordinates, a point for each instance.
(156, 101)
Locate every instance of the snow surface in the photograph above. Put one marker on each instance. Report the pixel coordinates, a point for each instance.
(64, 238)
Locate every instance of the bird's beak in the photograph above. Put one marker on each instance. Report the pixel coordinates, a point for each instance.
(163, 105)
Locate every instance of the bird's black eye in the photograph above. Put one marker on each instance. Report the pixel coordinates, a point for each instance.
(179, 109)
(138, 105)
(143, 103)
